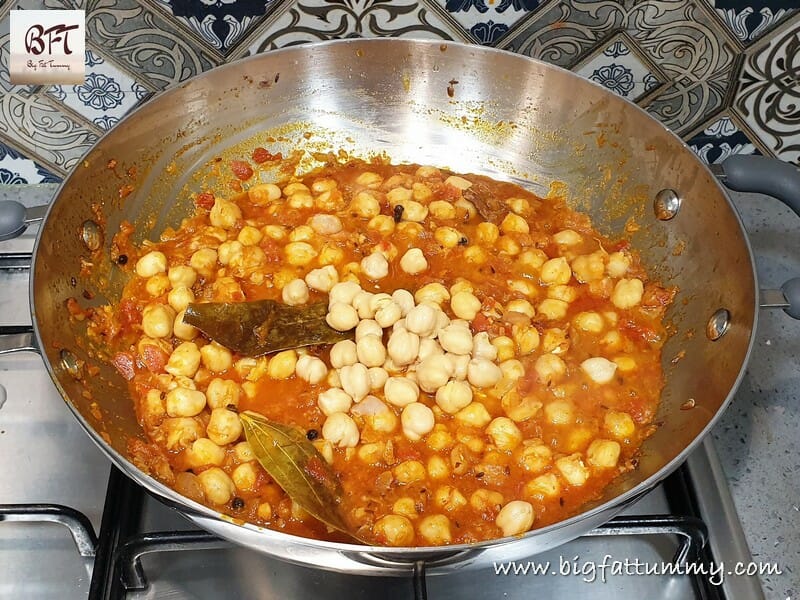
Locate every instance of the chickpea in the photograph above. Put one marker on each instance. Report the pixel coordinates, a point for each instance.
(216, 358)
(435, 530)
(515, 518)
(334, 400)
(299, 254)
(405, 506)
(619, 424)
(325, 224)
(555, 271)
(295, 293)
(282, 365)
(599, 369)
(224, 427)
(504, 433)
(506, 348)
(184, 360)
(228, 251)
(394, 530)
(549, 368)
(526, 338)
(437, 466)
(383, 224)
(409, 471)
(572, 469)
(475, 255)
(244, 477)
(403, 347)
(433, 372)
(417, 420)
(618, 264)
(157, 320)
(182, 276)
(205, 452)
(377, 378)
(343, 293)
(535, 456)
(244, 452)
(560, 412)
(508, 245)
(218, 487)
(474, 415)
(589, 267)
(263, 193)
(368, 327)
(370, 350)
(180, 432)
(603, 453)
(342, 317)
(482, 347)
(365, 205)
(355, 380)
(449, 498)
(341, 430)
(179, 298)
(150, 264)
(482, 373)
(439, 209)
(591, 322)
(157, 285)
(413, 261)
(453, 396)
(435, 293)
(183, 402)
(429, 347)
(330, 255)
(400, 391)
(389, 314)
(627, 293)
(375, 266)
(421, 320)
(224, 214)
(311, 369)
(543, 486)
(513, 223)
(204, 261)
(322, 279)
(459, 363)
(456, 339)
(343, 354)
(371, 453)
(552, 309)
(484, 500)
(222, 392)
(521, 306)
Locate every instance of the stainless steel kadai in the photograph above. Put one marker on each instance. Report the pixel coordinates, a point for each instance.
(471, 109)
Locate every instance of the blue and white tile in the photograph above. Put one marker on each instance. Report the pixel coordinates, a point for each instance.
(18, 168)
(618, 68)
(106, 94)
(317, 20)
(220, 23)
(721, 139)
(768, 93)
(489, 20)
(748, 20)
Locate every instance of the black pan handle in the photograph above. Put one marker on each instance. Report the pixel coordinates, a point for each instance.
(763, 175)
(15, 218)
(776, 178)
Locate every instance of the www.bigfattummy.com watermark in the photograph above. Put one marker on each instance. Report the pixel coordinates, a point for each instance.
(591, 571)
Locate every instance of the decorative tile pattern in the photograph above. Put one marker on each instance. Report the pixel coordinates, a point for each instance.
(721, 139)
(106, 94)
(17, 168)
(750, 19)
(768, 96)
(145, 42)
(220, 22)
(682, 37)
(316, 20)
(621, 70)
(53, 138)
(489, 20)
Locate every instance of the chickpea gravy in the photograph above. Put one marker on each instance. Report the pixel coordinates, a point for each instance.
(505, 363)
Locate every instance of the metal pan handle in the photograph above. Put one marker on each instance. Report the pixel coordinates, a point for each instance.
(15, 218)
(17, 339)
(776, 178)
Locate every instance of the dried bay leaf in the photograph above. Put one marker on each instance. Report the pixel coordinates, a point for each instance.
(263, 326)
(297, 467)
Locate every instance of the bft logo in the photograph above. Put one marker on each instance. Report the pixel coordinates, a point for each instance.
(37, 39)
(47, 47)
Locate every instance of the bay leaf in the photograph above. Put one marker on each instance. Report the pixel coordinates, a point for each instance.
(297, 467)
(488, 205)
(263, 326)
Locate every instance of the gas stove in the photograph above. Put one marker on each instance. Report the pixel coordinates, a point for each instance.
(75, 527)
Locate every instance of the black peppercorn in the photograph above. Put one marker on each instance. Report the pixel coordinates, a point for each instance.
(312, 434)
(398, 213)
(238, 503)
(122, 259)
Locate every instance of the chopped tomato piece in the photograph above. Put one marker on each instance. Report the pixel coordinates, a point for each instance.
(129, 313)
(205, 200)
(154, 358)
(262, 155)
(124, 363)
(241, 169)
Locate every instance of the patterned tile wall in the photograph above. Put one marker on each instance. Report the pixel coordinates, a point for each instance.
(723, 74)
